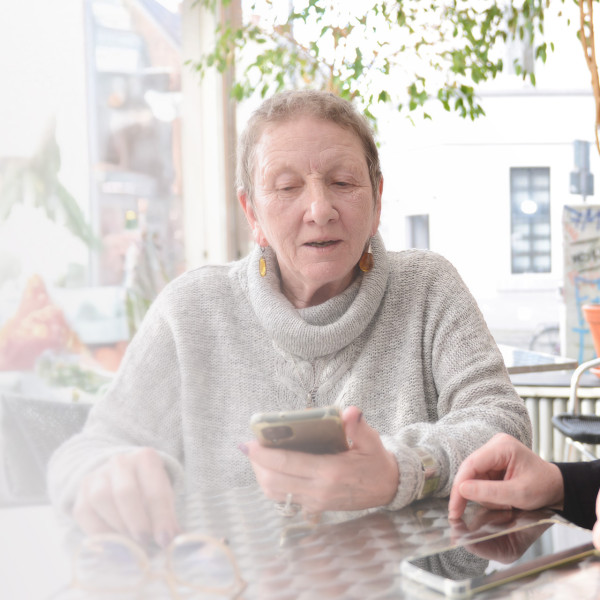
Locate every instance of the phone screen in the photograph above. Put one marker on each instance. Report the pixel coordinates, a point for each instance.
(464, 570)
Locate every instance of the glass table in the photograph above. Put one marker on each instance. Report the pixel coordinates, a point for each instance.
(345, 556)
(518, 360)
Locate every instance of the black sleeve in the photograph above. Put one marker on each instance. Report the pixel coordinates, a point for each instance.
(582, 482)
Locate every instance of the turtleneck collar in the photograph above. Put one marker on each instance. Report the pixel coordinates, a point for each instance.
(318, 330)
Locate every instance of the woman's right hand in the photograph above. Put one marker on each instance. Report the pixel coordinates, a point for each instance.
(130, 494)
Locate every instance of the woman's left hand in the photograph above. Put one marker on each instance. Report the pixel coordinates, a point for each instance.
(364, 476)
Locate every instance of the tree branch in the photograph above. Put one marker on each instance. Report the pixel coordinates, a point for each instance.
(589, 50)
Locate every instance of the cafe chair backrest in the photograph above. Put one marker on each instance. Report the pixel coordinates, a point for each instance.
(581, 431)
(31, 429)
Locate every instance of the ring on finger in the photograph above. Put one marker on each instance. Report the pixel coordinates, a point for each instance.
(288, 508)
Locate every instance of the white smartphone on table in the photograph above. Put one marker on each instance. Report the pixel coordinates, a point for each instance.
(464, 571)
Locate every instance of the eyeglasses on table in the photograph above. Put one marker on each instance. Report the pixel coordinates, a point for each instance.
(192, 564)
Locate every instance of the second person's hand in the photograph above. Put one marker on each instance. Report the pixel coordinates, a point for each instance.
(505, 474)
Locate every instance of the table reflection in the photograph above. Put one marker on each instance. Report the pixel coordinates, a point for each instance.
(344, 556)
(491, 560)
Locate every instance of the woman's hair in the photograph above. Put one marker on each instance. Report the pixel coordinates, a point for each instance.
(312, 103)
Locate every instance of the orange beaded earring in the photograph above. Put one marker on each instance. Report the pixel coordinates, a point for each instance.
(365, 264)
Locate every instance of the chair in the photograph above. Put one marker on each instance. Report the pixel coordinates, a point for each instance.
(30, 430)
(578, 429)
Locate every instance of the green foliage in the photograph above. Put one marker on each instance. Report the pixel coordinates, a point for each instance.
(36, 180)
(408, 53)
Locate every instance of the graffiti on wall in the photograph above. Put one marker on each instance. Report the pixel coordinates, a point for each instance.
(581, 241)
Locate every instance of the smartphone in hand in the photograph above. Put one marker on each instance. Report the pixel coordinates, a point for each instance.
(313, 430)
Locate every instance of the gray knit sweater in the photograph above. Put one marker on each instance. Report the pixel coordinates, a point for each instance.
(405, 342)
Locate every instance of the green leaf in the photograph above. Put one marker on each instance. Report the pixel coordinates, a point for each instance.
(237, 91)
(383, 96)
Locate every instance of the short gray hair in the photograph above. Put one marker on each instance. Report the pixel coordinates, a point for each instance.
(288, 105)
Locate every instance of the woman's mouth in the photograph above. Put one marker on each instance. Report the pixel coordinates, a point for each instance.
(322, 244)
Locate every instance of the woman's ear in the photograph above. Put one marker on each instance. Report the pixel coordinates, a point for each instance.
(251, 217)
(246, 206)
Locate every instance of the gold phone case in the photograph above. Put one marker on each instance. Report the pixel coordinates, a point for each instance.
(314, 430)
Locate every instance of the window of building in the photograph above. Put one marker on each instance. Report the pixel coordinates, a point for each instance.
(417, 231)
(530, 220)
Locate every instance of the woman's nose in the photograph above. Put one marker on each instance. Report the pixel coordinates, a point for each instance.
(320, 210)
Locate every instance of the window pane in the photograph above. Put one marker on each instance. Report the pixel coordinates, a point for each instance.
(530, 220)
(542, 264)
(521, 264)
(519, 196)
(539, 178)
(520, 229)
(521, 246)
(542, 229)
(541, 197)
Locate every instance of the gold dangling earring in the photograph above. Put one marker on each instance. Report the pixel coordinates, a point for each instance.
(262, 263)
(365, 264)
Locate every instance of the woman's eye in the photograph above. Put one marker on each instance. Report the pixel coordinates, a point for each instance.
(287, 191)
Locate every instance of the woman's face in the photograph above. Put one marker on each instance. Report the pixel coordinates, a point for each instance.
(313, 205)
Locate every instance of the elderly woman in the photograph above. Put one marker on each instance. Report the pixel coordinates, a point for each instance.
(318, 314)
